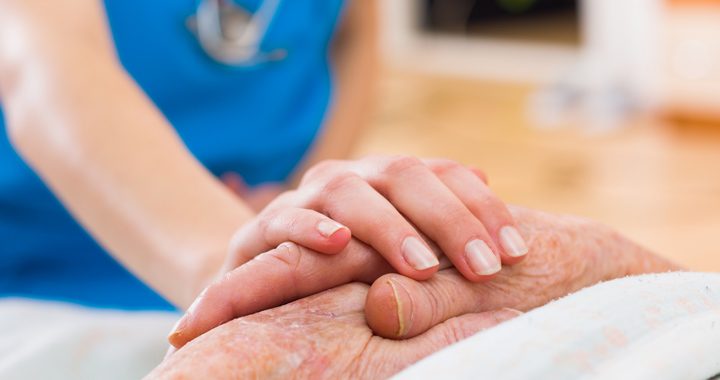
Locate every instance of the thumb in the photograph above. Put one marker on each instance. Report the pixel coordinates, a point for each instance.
(399, 307)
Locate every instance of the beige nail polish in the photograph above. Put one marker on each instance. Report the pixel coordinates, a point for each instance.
(513, 244)
(418, 255)
(481, 258)
(328, 227)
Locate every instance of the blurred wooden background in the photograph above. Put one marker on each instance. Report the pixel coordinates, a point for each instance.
(657, 182)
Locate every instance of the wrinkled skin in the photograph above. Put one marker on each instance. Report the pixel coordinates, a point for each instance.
(567, 254)
(327, 335)
(320, 337)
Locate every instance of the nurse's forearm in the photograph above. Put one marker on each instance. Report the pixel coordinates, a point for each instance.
(92, 135)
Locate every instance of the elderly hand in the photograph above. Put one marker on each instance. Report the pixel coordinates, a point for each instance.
(566, 255)
(320, 337)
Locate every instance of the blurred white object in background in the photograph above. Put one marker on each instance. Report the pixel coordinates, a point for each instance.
(641, 56)
(617, 73)
(691, 65)
(406, 45)
(636, 57)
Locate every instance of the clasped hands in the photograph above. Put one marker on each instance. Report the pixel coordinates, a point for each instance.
(394, 222)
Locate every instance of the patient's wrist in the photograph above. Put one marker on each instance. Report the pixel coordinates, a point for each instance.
(639, 260)
(585, 252)
(617, 256)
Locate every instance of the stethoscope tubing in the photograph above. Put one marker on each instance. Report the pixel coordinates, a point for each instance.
(243, 48)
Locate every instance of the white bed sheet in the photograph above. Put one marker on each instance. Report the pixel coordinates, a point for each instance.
(48, 340)
(663, 326)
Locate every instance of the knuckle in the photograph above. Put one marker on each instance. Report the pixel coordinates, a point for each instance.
(321, 169)
(275, 222)
(294, 220)
(235, 249)
(270, 214)
(401, 164)
(436, 297)
(215, 290)
(481, 174)
(287, 198)
(455, 330)
(339, 182)
(456, 216)
(266, 219)
(289, 255)
(487, 202)
(444, 166)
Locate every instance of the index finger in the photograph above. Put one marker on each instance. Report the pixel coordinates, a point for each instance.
(273, 278)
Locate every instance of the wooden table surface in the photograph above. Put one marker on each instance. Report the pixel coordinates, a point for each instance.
(654, 181)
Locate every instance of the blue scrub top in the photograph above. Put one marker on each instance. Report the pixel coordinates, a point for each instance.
(257, 121)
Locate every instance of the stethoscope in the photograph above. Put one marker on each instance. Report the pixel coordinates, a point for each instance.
(231, 35)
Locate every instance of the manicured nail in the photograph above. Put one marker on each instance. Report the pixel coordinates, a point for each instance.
(418, 255)
(328, 227)
(513, 244)
(482, 260)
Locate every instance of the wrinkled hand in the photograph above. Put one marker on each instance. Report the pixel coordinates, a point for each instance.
(323, 336)
(566, 254)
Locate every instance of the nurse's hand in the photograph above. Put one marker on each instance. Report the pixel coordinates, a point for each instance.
(405, 208)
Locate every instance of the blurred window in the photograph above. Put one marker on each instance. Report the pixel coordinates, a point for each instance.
(544, 21)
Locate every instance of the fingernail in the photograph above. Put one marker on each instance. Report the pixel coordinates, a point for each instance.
(511, 312)
(482, 260)
(513, 244)
(506, 314)
(402, 326)
(328, 227)
(177, 329)
(418, 255)
(182, 323)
